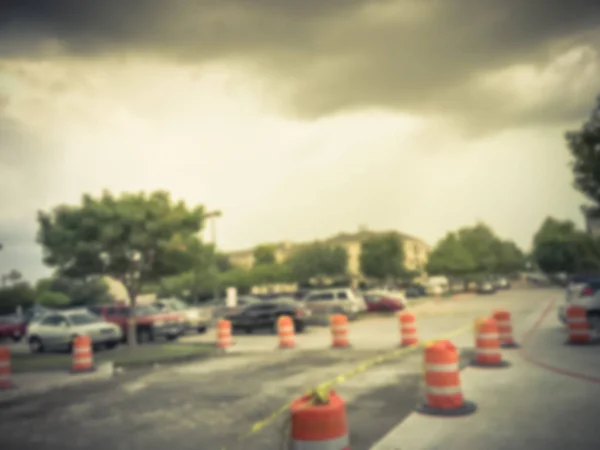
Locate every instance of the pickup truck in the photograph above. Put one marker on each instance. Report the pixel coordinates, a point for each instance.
(151, 324)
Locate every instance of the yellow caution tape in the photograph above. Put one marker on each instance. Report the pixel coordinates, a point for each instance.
(320, 393)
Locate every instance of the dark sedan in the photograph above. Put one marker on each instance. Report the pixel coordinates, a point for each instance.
(264, 315)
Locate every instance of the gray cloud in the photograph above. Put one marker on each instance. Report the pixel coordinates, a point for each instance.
(332, 55)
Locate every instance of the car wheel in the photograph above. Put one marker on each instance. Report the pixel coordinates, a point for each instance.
(17, 337)
(110, 345)
(172, 337)
(36, 345)
(201, 330)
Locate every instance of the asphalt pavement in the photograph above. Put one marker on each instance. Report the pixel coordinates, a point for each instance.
(209, 404)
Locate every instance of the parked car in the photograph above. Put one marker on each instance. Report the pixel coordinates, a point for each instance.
(330, 301)
(56, 330)
(583, 291)
(486, 287)
(12, 327)
(415, 291)
(502, 283)
(196, 318)
(384, 301)
(220, 309)
(151, 323)
(264, 315)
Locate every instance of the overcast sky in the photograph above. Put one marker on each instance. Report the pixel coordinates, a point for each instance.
(298, 119)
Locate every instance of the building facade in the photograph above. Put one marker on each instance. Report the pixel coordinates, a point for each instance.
(416, 251)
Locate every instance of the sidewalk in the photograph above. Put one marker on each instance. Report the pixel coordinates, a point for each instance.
(527, 405)
(26, 384)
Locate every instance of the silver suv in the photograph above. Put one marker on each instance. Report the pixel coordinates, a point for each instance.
(330, 301)
(583, 291)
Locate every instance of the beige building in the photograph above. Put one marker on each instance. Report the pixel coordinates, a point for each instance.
(416, 251)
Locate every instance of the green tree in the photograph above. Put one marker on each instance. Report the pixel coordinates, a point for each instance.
(451, 257)
(19, 294)
(318, 259)
(135, 238)
(510, 258)
(264, 254)
(53, 299)
(482, 244)
(584, 145)
(222, 262)
(82, 292)
(382, 257)
(559, 247)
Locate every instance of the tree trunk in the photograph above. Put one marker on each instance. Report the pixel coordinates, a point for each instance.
(131, 321)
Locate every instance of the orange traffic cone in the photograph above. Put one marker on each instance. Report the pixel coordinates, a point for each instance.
(505, 331)
(339, 331)
(285, 330)
(580, 330)
(83, 358)
(443, 393)
(487, 345)
(319, 426)
(408, 329)
(224, 340)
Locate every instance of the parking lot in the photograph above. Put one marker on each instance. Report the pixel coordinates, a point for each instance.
(210, 403)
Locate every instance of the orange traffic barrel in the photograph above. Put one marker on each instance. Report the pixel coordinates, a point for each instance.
(5, 369)
(83, 358)
(580, 331)
(487, 344)
(443, 392)
(224, 340)
(505, 330)
(408, 329)
(339, 331)
(319, 426)
(285, 330)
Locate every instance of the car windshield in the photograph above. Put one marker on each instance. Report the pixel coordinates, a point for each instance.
(145, 311)
(178, 305)
(84, 318)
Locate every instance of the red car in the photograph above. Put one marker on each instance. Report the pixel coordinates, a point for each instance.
(384, 301)
(12, 327)
(150, 322)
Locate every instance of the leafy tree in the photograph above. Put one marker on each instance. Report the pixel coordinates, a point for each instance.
(19, 294)
(135, 238)
(264, 254)
(82, 292)
(451, 257)
(382, 257)
(482, 244)
(318, 259)
(584, 145)
(222, 262)
(559, 247)
(53, 299)
(510, 258)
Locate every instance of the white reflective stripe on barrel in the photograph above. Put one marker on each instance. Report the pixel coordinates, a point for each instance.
(576, 320)
(83, 361)
(81, 350)
(4, 364)
(286, 329)
(448, 390)
(582, 332)
(409, 335)
(488, 351)
(487, 336)
(503, 323)
(340, 443)
(453, 367)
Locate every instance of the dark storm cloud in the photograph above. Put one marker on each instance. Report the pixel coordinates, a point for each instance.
(420, 55)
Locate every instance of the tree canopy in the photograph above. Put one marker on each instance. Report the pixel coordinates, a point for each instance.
(382, 257)
(81, 292)
(264, 254)
(584, 145)
(316, 260)
(475, 250)
(559, 247)
(135, 238)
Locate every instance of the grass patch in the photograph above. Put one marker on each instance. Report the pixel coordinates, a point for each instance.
(122, 356)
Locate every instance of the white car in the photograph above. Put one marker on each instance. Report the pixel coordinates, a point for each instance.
(583, 291)
(56, 330)
(341, 300)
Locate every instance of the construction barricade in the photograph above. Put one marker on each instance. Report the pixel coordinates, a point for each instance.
(5, 368)
(487, 345)
(83, 357)
(224, 341)
(580, 329)
(505, 331)
(408, 329)
(319, 426)
(285, 331)
(443, 392)
(339, 331)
